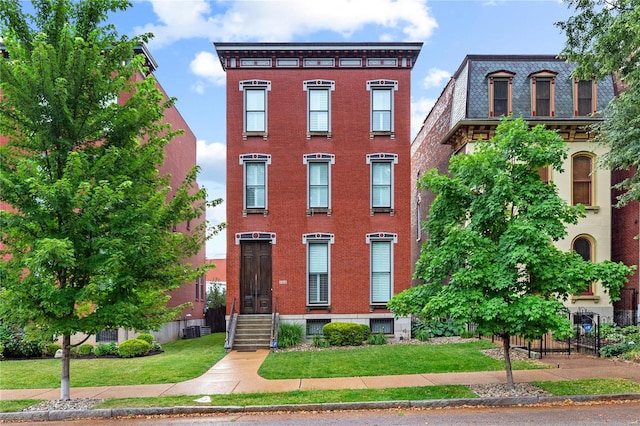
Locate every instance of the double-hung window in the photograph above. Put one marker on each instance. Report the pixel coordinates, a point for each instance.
(543, 93)
(318, 268)
(255, 106)
(584, 99)
(382, 180)
(255, 181)
(500, 93)
(382, 91)
(318, 181)
(582, 167)
(318, 106)
(381, 260)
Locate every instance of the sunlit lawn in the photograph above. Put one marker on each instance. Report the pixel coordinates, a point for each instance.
(181, 360)
(386, 360)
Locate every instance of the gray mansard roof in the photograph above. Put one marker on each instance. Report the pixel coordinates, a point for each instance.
(471, 99)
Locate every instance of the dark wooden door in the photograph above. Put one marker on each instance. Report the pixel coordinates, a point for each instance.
(255, 277)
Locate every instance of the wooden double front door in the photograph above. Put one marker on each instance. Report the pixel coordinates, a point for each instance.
(255, 277)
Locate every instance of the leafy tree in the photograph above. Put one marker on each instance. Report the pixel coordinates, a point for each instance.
(88, 242)
(490, 258)
(603, 39)
(216, 296)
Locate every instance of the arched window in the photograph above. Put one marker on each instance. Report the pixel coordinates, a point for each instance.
(583, 245)
(582, 166)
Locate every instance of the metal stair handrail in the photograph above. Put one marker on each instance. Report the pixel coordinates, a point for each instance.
(231, 328)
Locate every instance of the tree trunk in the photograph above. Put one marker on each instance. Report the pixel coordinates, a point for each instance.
(506, 346)
(64, 378)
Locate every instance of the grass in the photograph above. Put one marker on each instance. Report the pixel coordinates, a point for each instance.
(589, 387)
(301, 397)
(386, 360)
(562, 388)
(14, 405)
(181, 360)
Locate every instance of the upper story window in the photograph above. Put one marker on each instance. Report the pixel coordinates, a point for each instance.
(584, 97)
(255, 107)
(382, 181)
(545, 174)
(543, 93)
(582, 188)
(255, 182)
(318, 106)
(382, 108)
(318, 268)
(500, 93)
(318, 182)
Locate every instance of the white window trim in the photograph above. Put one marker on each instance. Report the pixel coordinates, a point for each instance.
(381, 237)
(381, 157)
(255, 84)
(319, 157)
(319, 237)
(373, 85)
(327, 85)
(255, 158)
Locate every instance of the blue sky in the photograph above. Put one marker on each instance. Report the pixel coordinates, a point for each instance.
(188, 67)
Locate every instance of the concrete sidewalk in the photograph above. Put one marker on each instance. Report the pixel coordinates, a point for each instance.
(238, 372)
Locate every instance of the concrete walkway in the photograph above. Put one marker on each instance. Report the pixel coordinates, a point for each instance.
(238, 372)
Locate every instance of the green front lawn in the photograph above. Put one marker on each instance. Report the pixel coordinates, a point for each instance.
(589, 387)
(386, 360)
(181, 360)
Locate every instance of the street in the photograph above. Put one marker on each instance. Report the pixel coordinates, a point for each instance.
(613, 413)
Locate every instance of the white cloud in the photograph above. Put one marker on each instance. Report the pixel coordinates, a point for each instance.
(207, 65)
(283, 20)
(435, 78)
(419, 111)
(211, 157)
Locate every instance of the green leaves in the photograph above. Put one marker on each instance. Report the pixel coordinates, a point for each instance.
(90, 243)
(490, 257)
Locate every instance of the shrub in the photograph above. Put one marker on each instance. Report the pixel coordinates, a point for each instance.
(436, 327)
(147, 337)
(612, 351)
(290, 335)
(16, 346)
(156, 347)
(366, 331)
(104, 349)
(377, 339)
(51, 349)
(343, 333)
(133, 347)
(319, 341)
(1, 350)
(85, 349)
(467, 334)
(632, 355)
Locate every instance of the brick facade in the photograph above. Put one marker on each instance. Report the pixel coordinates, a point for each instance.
(287, 216)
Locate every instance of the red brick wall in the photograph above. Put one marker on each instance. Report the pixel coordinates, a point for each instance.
(350, 189)
(625, 227)
(428, 152)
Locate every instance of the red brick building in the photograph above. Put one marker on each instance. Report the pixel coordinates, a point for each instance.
(318, 160)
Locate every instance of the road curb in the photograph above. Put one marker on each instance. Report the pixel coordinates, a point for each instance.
(114, 413)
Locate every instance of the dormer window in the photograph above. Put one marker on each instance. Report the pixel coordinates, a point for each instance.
(543, 93)
(584, 97)
(500, 93)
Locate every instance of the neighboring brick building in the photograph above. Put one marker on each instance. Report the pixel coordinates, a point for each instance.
(180, 157)
(540, 89)
(318, 162)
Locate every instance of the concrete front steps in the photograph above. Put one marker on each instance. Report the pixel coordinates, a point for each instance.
(253, 332)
